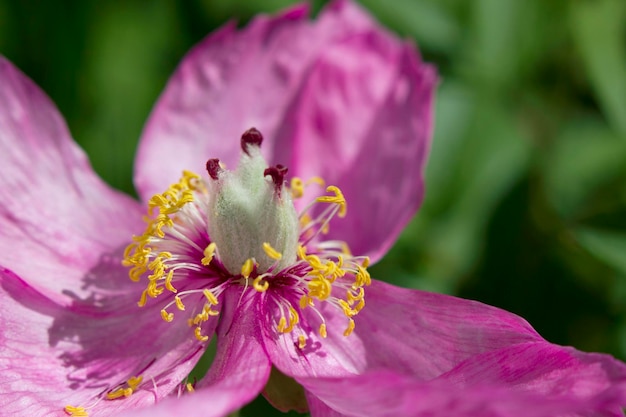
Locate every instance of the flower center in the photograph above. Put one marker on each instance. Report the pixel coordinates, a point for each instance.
(240, 228)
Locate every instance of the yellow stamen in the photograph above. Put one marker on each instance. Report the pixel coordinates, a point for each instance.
(209, 253)
(305, 301)
(168, 317)
(140, 256)
(294, 316)
(282, 323)
(347, 310)
(338, 199)
(190, 387)
(259, 284)
(301, 341)
(323, 330)
(362, 276)
(316, 180)
(305, 219)
(271, 252)
(297, 187)
(294, 319)
(133, 382)
(75, 411)
(353, 298)
(247, 267)
(301, 252)
(199, 336)
(350, 328)
(168, 282)
(179, 303)
(143, 298)
(210, 297)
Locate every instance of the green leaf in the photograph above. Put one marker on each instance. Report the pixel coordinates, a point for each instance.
(430, 24)
(607, 246)
(478, 156)
(585, 155)
(598, 28)
(123, 76)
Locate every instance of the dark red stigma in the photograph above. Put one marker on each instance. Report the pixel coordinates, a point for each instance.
(251, 137)
(213, 167)
(278, 174)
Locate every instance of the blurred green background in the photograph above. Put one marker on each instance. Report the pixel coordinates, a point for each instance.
(526, 197)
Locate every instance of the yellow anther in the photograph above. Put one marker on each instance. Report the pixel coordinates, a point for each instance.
(362, 277)
(179, 303)
(211, 298)
(316, 180)
(347, 310)
(199, 336)
(282, 324)
(136, 272)
(366, 262)
(293, 315)
(352, 298)
(119, 393)
(247, 267)
(350, 328)
(75, 411)
(305, 219)
(301, 341)
(199, 318)
(338, 199)
(133, 382)
(301, 252)
(315, 262)
(323, 330)
(141, 257)
(190, 387)
(259, 284)
(152, 289)
(168, 317)
(305, 301)
(320, 287)
(168, 282)
(271, 252)
(190, 180)
(209, 253)
(297, 187)
(143, 299)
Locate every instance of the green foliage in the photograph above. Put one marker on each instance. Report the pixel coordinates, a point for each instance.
(526, 185)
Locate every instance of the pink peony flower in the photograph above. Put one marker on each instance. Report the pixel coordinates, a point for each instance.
(270, 261)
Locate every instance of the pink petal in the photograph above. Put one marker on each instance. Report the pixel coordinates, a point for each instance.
(541, 368)
(338, 97)
(57, 217)
(239, 371)
(426, 334)
(412, 331)
(385, 394)
(229, 82)
(55, 355)
(363, 122)
(332, 356)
